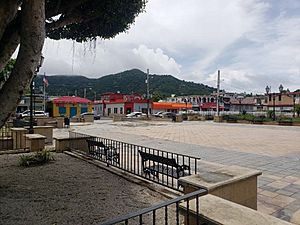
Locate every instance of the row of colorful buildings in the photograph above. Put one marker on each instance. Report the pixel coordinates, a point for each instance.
(281, 102)
(118, 103)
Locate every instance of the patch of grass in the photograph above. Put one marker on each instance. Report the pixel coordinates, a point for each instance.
(285, 119)
(38, 158)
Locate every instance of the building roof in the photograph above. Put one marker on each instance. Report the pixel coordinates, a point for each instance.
(210, 105)
(245, 101)
(71, 99)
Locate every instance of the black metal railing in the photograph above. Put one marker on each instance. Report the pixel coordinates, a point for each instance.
(181, 210)
(126, 157)
(5, 138)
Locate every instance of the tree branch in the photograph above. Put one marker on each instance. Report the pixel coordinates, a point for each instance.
(63, 22)
(8, 11)
(32, 36)
(8, 45)
(68, 21)
(64, 6)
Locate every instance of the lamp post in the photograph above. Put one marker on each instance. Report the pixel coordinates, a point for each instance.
(94, 92)
(31, 95)
(147, 81)
(294, 101)
(240, 98)
(274, 96)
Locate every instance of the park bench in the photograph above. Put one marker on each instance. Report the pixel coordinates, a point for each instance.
(159, 164)
(98, 148)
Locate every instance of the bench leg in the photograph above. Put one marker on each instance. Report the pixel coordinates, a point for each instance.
(116, 158)
(147, 172)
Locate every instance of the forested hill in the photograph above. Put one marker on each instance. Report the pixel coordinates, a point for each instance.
(124, 82)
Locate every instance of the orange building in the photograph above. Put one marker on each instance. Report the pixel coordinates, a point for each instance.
(170, 107)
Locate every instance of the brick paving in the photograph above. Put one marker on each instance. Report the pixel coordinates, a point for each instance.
(274, 150)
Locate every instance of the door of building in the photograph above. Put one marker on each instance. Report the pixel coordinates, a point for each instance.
(83, 110)
(73, 111)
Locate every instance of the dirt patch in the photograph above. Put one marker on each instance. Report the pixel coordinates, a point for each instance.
(67, 191)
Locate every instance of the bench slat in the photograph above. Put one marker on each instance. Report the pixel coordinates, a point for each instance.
(99, 148)
(167, 170)
(159, 159)
(167, 166)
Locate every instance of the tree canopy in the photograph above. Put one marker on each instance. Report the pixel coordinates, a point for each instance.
(26, 23)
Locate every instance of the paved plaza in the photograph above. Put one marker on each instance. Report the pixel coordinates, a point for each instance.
(274, 150)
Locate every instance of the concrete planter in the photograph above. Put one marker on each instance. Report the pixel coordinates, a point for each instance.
(244, 121)
(231, 121)
(258, 122)
(285, 123)
(270, 123)
(7, 143)
(218, 119)
(178, 118)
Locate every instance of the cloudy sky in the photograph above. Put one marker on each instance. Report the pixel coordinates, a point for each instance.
(254, 43)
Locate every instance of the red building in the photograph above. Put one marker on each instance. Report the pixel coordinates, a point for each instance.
(117, 103)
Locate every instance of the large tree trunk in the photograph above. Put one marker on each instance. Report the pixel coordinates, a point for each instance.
(32, 36)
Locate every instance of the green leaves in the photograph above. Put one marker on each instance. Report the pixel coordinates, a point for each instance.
(4, 74)
(96, 18)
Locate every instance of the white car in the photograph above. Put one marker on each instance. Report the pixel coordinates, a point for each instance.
(158, 114)
(96, 116)
(135, 115)
(26, 113)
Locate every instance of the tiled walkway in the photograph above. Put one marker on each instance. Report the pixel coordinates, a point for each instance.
(274, 150)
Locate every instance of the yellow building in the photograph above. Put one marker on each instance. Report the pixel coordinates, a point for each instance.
(284, 102)
(70, 106)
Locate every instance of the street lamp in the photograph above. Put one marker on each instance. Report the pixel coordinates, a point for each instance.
(31, 94)
(273, 96)
(280, 88)
(268, 90)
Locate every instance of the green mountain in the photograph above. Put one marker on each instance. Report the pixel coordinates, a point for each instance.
(125, 82)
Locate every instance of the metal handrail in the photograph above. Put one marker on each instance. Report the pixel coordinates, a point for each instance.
(127, 217)
(122, 142)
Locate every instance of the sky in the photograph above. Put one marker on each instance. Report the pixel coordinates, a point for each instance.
(253, 43)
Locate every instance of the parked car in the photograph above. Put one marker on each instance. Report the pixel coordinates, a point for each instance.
(135, 115)
(96, 117)
(157, 114)
(26, 113)
(167, 115)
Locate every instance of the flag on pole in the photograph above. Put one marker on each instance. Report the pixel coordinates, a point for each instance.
(45, 81)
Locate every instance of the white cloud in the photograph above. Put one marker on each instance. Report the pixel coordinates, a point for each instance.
(104, 58)
(255, 43)
(156, 60)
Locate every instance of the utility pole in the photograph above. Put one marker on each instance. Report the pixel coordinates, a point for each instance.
(44, 94)
(84, 92)
(147, 92)
(218, 93)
